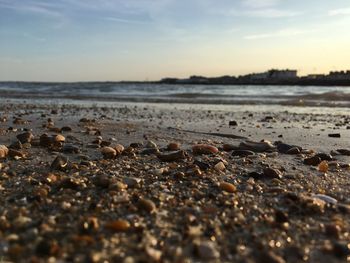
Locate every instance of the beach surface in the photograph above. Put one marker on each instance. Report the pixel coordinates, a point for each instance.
(142, 182)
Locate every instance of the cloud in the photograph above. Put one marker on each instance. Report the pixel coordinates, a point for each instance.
(126, 21)
(338, 12)
(38, 8)
(266, 13)
(260, 3)
(277, 34)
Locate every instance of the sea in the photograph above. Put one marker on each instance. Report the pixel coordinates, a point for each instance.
(308, 98)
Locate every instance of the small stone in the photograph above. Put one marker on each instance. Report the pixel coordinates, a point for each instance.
(69, 148)
(108, 152)
(332, 230)
(59, 163)
(334, 135)
(272, 173)
(293, 150)
(118, 225)
(324, 156)
(17, 145)
(102, 181)
(345, 152)
(146, 205)
(242, 153)
(263, 146)
(173, 146)
(228, 187)
(119, 149)
(66, 129)
(14, 153)
(3, 151)
(26, 137)
(45, 140)
(204, 149)
(233, 123)
(341, 250)
(172, 157)
(151, 144)
(323, 167)
(131, 182)
(284, 148)
(314, 161)
(59, 138)
(207, 251)
(220, 166)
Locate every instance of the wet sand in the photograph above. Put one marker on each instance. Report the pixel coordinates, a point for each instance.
(112, 188)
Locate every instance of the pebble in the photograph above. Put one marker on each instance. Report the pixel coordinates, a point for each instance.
(228, 187)
(131, 182)
(324, 156)
(3, 151)
(242, 153)
(284, 148)
(272, 173)
(151, 144)
(263, 146)
(17, 145)
(146, 205)
(26, 137)
(59, 163)
(119, 149)
(314, 161)
(220, 166)
(293, 150)
(108, 152)
(173, 146)
(70, 148)
(204, 149)
(119, 225)
(14, 153)
(345, 152)
(59, 138)
(233, 123)
(332, 230)
(208, 251)
(323, 167)
(334, 135)
(172, 157)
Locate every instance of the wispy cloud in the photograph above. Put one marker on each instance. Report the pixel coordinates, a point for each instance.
(260, 3)
(126, 21)
(277, 34)
(338, 12)
(30, 7)
(266, 13)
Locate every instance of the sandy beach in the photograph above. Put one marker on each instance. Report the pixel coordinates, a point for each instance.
(173, 183)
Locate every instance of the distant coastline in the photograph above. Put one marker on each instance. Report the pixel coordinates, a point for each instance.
(271, 77)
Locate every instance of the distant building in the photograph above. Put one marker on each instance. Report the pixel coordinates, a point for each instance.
(315, 76)
(339, 75)
(282, 74)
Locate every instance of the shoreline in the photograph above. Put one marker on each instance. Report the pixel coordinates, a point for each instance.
(161, 199)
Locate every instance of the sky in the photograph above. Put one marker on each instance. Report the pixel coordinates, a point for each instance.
(111, 40)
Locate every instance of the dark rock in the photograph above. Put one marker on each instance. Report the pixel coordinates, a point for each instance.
(324, 156)
(202, 165)
(344, 152)
(272, 173)
(17, 145)
(232, 123)
(26, 137)
(59, 163)
(341, 250)
(70, 148)
(284, 148)
(242, 153)
(314, 161)
(293, 150)
(334, 135)
(172, 157)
